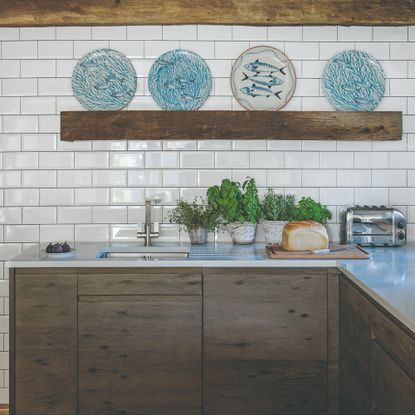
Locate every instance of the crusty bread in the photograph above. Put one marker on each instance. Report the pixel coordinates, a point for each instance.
(304, 235)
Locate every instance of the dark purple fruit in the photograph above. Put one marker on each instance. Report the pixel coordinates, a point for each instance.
(49, 248)
(66, 247)
(57, 249)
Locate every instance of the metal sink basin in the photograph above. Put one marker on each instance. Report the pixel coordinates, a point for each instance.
(143, 253)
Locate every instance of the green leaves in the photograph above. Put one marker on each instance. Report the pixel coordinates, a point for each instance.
(279, 207)
(236, 203)
(194, 215)
(276, 206)
(309, 209)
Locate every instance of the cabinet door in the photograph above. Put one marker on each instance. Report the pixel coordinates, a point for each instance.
(393, 389)
(140, 355)
(356, 315)
(45, 320)
(265, 342)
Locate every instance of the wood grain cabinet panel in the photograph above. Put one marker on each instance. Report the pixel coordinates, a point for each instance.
(265, 342)
(393, 390)
(356, 314)
(45, 343)
(141, 282)
(376, 357)
(140, 355)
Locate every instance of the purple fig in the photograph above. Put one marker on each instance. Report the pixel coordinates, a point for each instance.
(49, 248)
(57, 249)
(66, 247)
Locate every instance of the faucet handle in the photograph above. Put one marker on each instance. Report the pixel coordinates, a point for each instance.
(156, 228)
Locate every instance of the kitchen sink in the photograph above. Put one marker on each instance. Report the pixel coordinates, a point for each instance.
(146, 253)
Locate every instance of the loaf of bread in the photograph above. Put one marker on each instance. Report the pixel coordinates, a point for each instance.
(304, 235)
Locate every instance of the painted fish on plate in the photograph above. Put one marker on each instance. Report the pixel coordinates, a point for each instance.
(179, 80)
(263, 67)
(267, 80)
(259, 91)
(263, 78)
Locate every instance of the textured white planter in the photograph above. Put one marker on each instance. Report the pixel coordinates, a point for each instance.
(198, 236)
(242, 233)
(273, 230)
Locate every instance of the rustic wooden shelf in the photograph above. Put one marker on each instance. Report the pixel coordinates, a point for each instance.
(245, 12)
(238, 125)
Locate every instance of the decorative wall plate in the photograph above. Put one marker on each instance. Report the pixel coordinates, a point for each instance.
(179, 80)
(263, 78)
(353, 81)
(104, 79)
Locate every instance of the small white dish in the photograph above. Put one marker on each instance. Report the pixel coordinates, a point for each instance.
(60, 255)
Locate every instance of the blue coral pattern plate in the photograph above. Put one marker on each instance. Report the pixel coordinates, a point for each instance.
(104, 79)
(179, 80)
(263, 78)
(353, 81)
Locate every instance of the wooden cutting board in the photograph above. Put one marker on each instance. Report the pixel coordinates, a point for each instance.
(275, 251)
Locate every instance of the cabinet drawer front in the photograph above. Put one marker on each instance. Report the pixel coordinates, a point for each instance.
(142, 283)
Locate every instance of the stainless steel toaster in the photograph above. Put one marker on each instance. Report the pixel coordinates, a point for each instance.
(373, 226)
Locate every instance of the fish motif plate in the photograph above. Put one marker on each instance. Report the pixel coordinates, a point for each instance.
(263, 78)
(353, 81)
(179, 80)
(104, 79)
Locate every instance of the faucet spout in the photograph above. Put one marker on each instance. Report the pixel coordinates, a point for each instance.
(148, 232)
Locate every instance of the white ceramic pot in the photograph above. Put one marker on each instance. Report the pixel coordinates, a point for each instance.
(242, 233)
(273, 230)
(198, 236)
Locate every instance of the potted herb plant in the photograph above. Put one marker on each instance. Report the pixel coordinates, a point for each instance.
(197, 218)
(238, 206)
(309, 209)
(277, 211)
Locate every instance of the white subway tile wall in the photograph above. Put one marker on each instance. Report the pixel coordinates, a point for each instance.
(95, 191)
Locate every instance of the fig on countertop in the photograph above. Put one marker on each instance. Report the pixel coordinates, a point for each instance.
(57, 249)
(66, 247)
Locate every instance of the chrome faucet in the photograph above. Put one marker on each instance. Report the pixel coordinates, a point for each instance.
(149, 233)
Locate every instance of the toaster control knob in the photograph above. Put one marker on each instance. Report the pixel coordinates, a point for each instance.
(401, 224)
(400, 236)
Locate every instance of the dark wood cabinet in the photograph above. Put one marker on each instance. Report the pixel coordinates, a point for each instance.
(43, 316)
(141, 341)
(216, 341)
(266, 341)
(377, 357)
(140, 356)
(140, 344)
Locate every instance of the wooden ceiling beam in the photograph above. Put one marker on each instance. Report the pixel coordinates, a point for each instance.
(239, 12)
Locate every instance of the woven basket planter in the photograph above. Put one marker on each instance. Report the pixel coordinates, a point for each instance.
(198, 236)
(273, 230)
(242, 233)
